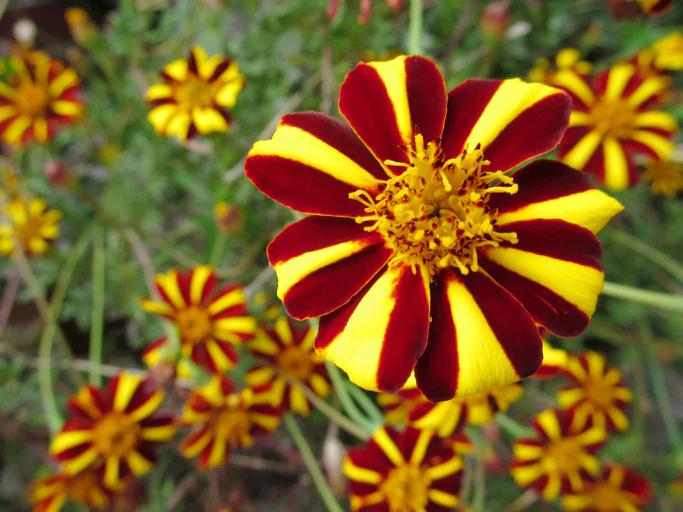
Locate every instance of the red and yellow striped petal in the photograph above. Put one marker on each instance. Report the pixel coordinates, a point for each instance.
(511, 120)
(311, 164)
(480, 337)
(379, 335)
(322, 262)
(388, 103)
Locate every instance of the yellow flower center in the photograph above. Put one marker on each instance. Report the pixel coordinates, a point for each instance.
(233, 424)
(612, 118)
(599, 393)
(32, 99)
(195, 93)
(295, 363)
(194, 324)
(116, 435)
(435, 214)
(405, 488)
(24, 232)
(562, 456)
(605, 497)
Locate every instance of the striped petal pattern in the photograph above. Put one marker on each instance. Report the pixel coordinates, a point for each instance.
(222, 418)
(626, 490)
(210, 320)
(614, 119)
(597, 394)
(40, 97)
(28, 225)
(559, 458)
(50, 493)
(554, 362)
(291, 362)
(195, 96)
(114, 428)
(409, 470)
(415, 264)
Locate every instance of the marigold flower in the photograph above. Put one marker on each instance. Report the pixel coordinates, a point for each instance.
(614, 119)
(39, 96)
(405, 471)
(566, 59)
(597, 394)
(408, 204)
(224, 418)
(50, 493)
(559, 458)
(554, 361)
(195, 96)
(289, 350)
(27, 224)
(115, 427)
(209, 320)
(665, 177)
(618, 489)
(668, 52)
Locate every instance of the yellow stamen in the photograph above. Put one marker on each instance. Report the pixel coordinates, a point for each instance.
(296, 363)
(405, 488)
(116, 435)
(194, 324)
(613, 118)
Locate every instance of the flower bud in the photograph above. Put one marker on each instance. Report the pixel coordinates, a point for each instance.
(80, 24)
(229, 218)
(58, 174)
(496, 18)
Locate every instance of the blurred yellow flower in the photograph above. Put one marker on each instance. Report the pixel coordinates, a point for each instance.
(80, 24)
(28, 224)
(49, 494)
(668, 52)
(665, 177)
(195, 96)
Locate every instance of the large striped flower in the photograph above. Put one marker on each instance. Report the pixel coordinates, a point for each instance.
(292, 362)
(613, 120)
(617, 489)
(115, 427)
(29, 225)
(223, 418)
(597, 394)
(209, 320)
(410, 471)
(421, 254)
(49, 494)
(195, 96)
(559, 458)
(40, 95)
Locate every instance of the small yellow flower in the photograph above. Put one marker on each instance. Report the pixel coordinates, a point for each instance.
(49, 494)
(29, 225)
(195, 96)
(668, 52)
(665, 177)
(80, 24)
(567, 59)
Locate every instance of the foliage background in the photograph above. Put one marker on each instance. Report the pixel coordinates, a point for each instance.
(153, 196)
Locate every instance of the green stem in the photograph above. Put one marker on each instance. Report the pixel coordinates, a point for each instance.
(316, 473)
(415, 28)
(217, 250)
(335, 416)
(657, 299)
(366, 403)
(347, 403)
(97, 309)
(651, 253)
(512, 427)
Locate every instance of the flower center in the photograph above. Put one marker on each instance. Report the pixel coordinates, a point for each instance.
(406, 488)
(295, 363)
(31, 99)
(116, 435)
(562, 456)
(435, 214)
(599, 393)
(194, 92)
(80, 487)
(194, 324)
(233, 424)
(612, 117)
(606, 497)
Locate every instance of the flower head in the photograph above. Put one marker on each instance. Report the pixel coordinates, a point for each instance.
(50, 493)
(29, 225)
(559, 458)
(223, 418)
(409, 471)
(39, 96)
(209, 320)
(614, 119)
(115, 428)
(665, 177)
(597, 394)
(668, 52)
(421, 255)
(566, 59)
(292, 362)
(617, 489)
(554, 361)
(195, 95)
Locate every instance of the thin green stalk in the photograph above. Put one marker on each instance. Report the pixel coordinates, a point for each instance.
(479, 473)
(512, 427)
(347, 403)
(415, 28)
(651, 253)
(366, 403)
(217, 250)
(335, 416)
(314, 470)
(656, 299)
(97, 308)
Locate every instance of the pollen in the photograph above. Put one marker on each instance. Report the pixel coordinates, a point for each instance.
(612, 117)
(435, 213)
(406, 488)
